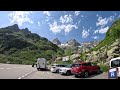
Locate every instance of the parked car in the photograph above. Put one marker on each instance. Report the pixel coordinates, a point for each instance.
(56, 67)
(66, 70)
(115, 63)
(84, 69)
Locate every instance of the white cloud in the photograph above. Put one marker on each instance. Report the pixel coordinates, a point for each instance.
(85, 33)
(47, 19)
(69, 27)
(96, 31)
(20, 17)
(77, 13)
(39, 24)
(111, 18)
(104, 21)
(102, 30)
(101, 21)
(66, 19)
(95, 37)
(55, 28)
(47, 13)
(48, 16)
(66, 24)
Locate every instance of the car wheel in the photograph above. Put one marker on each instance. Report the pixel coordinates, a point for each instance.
(86, 74)
(98, 71)
(68, 73)
(57, 71)
(38, 69)
(77, 76)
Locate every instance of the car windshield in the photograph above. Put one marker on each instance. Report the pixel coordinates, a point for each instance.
(115, 63)
(76, 65)
(69, 66)
(54, 65)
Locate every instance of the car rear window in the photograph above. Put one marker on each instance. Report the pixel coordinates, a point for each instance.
(58, 65)
(69, 66)
(76, 65)
(115, 63)
(87, 64)
(54, 65)
(63, 65)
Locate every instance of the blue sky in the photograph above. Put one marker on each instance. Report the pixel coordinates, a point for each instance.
(64, 25)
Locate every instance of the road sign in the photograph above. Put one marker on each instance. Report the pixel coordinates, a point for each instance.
(112, 73)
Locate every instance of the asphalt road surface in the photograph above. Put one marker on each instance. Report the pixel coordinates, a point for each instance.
(49, 75)
(14, 71)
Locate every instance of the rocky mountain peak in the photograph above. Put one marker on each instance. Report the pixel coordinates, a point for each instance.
(73, 42)
(13, 27)
(56, 41)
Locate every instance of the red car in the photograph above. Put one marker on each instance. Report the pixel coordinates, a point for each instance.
(84, 69)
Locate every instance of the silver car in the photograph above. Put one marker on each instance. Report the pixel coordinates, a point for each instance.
(57, 67)
(66, 70)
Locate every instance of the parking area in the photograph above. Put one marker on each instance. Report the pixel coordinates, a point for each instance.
(53, 72)
(50, 75)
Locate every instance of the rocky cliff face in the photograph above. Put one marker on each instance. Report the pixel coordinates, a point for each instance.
(105, 53)
(107, 48)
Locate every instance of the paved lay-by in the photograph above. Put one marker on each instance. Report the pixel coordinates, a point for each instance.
(14, 71)
(49, 75)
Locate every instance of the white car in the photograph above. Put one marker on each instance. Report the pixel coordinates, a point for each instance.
(56, 67)
(66, 70)
(115, 63)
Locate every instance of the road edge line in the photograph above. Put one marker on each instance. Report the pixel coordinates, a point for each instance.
(26, 74)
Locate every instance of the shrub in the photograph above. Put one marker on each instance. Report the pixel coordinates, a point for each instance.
(104, 68)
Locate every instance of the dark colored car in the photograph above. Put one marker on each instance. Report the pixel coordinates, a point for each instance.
(84, 69)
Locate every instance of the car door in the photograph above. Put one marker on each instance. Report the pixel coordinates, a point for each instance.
(58, 67)
(94, 67)
(87, 67)
(90, 67)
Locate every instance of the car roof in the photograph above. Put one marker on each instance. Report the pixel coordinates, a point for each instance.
(59, 64)
(82, 62)
(115, 59)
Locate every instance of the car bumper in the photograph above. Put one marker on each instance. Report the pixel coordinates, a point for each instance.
(62, 72)
(80, 73)
(52, 70)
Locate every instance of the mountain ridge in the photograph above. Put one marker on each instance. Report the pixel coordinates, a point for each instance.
(20, 46)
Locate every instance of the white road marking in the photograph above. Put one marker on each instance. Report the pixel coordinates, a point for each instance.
(19, 78)
(18, 67)
(26, 74)
(11, 68)
(1, 68)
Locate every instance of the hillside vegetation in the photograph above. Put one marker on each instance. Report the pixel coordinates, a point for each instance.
(20, 46)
